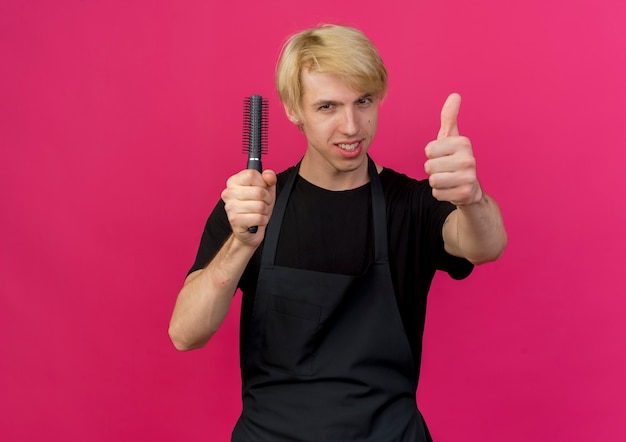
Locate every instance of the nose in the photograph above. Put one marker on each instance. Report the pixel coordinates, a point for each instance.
(349, 125)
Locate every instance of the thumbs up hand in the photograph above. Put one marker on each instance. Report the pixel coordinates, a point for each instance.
(451, 165)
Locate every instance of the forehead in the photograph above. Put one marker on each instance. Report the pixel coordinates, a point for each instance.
(326, 86)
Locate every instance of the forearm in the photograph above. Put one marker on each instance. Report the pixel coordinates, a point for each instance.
(205, 298)
(476, 231)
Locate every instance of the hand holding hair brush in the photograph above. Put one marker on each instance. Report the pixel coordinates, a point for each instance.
(255, 110)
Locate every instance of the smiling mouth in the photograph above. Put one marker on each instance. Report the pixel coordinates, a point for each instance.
(348, 147)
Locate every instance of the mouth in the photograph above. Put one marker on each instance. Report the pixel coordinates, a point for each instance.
(349, 147)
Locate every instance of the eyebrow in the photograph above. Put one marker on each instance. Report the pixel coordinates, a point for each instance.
(335, 103)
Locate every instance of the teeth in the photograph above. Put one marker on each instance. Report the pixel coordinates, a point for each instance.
(348, 147)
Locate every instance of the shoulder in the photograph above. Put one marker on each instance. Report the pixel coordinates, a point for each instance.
(397, 185)
(390, 176)
(414, 198)
(281, 177)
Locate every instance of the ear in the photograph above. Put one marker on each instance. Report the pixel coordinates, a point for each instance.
(292, 115)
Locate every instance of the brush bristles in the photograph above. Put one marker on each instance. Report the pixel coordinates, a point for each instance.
(255, 113)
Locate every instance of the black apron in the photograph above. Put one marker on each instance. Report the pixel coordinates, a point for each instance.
(326, 355)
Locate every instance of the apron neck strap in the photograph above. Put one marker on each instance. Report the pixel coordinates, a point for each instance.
(379, 213)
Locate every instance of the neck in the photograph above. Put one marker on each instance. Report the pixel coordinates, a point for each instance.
(330, 178)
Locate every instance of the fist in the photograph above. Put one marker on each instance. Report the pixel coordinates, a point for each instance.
(450, 163)
(249, 200)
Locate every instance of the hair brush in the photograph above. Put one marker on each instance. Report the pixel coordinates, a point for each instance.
(255, 109)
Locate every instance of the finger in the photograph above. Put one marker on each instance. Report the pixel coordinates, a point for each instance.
(245, 177)
(440, 165)
(440, 148)
(247, 187)
(449, 115)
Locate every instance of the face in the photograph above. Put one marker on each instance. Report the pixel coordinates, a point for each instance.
(339, 124)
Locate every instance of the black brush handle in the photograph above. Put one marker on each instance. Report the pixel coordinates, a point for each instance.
(255, 134)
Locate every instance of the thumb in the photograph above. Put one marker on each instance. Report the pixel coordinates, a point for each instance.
(449, 115)
(269, 176)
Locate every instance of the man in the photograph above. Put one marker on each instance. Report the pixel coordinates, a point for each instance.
(335, 279)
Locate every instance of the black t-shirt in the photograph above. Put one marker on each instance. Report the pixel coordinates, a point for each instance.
(331, 231)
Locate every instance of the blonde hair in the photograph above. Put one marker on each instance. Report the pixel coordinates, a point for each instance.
(333, 49)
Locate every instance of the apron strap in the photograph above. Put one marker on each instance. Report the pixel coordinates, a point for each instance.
(270, 243)
(379, 212)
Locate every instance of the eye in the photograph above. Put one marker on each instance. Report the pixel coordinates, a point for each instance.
(364, 101)
(325, 107)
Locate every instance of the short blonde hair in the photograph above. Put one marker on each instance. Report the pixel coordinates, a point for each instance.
(334, 49)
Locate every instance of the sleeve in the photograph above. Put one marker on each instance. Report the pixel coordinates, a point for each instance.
(457, 268)
(216, 231)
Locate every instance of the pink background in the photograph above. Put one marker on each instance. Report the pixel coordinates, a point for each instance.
(121, 120)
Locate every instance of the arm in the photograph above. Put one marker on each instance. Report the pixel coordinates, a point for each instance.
(205, 298)
(474, 230)
(203, 302)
